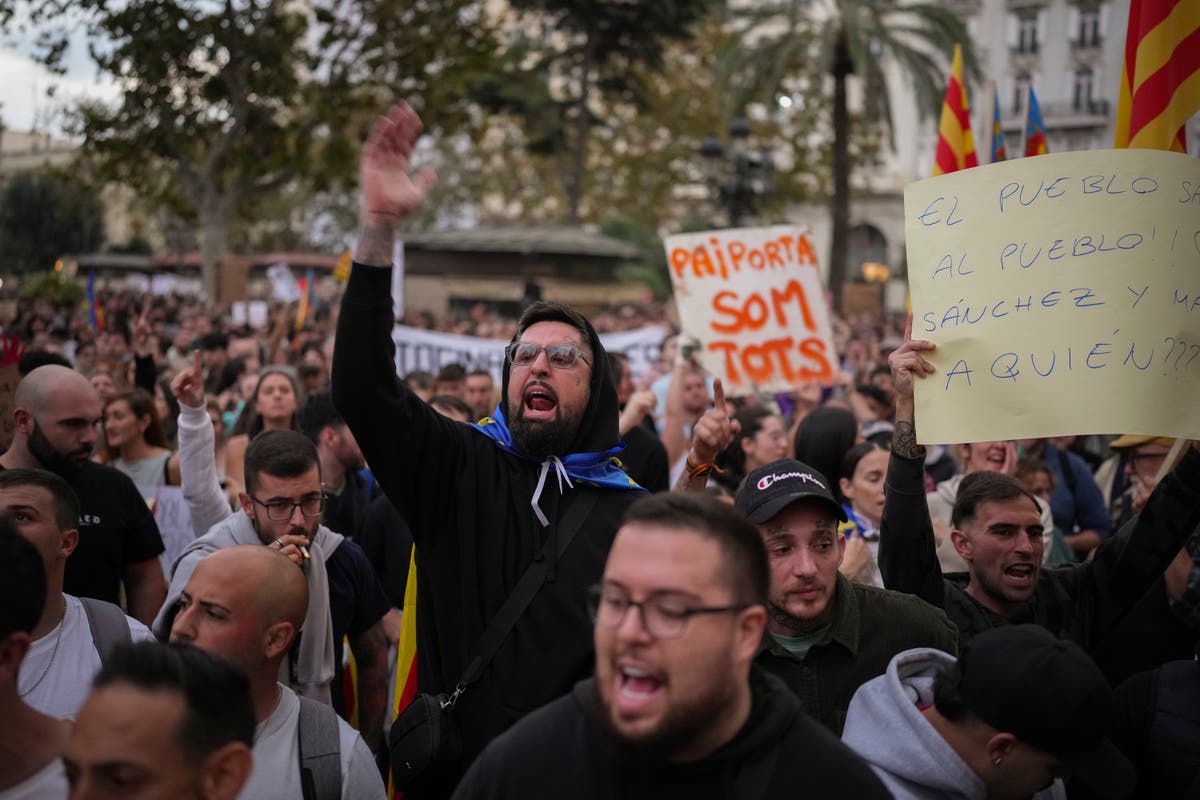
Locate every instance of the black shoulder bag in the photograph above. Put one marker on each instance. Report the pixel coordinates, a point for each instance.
(424, 736)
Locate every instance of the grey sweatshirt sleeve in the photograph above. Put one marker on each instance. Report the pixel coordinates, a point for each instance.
(206, 501)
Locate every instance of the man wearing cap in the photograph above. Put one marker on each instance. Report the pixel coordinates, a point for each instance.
(1134, 473)
(826, 635)
(1017, 712)
(997, 530)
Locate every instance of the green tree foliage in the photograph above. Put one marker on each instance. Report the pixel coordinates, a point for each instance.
(56, 288)
(781, 42)
(579, 60)
(223, 104)
(44, 216)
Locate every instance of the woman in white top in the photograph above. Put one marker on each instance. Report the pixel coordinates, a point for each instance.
(135, 440)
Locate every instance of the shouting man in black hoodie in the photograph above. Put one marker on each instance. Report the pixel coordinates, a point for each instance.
(483, 500)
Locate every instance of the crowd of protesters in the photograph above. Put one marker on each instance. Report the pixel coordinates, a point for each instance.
(625, 585)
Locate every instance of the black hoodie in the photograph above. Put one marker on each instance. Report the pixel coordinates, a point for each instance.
(468, 504)
(779, 753)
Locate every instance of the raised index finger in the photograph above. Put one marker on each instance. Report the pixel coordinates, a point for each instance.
(196, 361)
(719, 397)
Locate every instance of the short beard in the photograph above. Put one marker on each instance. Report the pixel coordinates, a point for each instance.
(795, 625)
(54, 461)
(680, 727)
(542, 438)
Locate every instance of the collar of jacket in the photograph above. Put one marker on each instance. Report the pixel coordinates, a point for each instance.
(844, 628)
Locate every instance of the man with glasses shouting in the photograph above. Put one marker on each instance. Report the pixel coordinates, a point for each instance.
(676, 708)
(281, 509)
(535, 483)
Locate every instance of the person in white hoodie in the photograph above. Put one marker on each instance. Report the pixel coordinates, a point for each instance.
(1019, 711)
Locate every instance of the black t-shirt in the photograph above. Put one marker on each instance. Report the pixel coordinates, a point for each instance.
(344, 512)
(116, 529)
(356, 602)
(388, 543)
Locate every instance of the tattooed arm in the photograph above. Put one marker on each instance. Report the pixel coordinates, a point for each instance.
(907, 550)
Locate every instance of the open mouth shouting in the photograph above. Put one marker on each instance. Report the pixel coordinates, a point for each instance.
(1020, 575)
(539, 402)
(637, 688)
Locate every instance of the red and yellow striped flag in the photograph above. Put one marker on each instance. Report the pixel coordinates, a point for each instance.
(406, 655)
(956, 146)
(1160, 83)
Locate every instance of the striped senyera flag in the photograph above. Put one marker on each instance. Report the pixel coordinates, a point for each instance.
(1160, 82)
(955, 146)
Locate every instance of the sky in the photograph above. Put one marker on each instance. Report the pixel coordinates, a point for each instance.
(23, 100)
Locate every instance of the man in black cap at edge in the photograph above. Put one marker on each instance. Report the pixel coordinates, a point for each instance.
(482, 501)
(826, 635)
(1018, 711)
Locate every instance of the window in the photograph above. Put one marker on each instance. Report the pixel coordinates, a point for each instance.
(1089, 27)
(1081, 98)
(1020, 89)
(1027, 34)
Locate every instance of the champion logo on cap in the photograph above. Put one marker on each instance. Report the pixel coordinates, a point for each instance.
(766, 480)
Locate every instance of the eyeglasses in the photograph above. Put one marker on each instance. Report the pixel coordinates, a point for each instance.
(279, 510)
(662, 619)
(560, 356)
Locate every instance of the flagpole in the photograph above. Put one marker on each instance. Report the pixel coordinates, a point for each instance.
(989, 113)
(1025, 116)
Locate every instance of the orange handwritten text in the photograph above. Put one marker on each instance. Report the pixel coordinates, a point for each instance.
(782, 358)
(753, 312)
(731, 256)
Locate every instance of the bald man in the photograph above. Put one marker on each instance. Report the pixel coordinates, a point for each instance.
(246, 603)
(55, 414)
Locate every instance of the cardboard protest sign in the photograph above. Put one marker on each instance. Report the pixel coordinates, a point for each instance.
(11, 350)
(754, 299)
(1063, 293)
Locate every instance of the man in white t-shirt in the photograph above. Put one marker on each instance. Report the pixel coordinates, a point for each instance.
(71, 634)
(245, 603)
(38, 739)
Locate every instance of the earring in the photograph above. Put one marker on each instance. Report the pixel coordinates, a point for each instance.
(997, 762)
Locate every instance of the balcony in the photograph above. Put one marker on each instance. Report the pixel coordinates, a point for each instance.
(1086, 44)
(1094, 114)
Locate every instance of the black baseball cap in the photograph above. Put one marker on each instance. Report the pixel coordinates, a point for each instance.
(1048, 693)
(771, 488)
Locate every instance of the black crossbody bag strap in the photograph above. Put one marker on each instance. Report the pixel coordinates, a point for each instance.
(522, 595)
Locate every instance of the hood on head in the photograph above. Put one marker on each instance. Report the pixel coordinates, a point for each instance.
(885, 726)
(598, 429)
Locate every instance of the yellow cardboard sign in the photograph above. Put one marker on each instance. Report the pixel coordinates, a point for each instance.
(1063, 293)
(754, 299)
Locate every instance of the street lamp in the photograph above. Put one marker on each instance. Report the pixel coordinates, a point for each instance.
(738, 179)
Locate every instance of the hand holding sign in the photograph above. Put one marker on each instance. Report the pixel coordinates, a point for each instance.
(714, 431)
(907, 362)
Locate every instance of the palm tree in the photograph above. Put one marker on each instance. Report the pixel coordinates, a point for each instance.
(781, 41)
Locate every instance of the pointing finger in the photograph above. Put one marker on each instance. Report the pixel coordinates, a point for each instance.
(719, 396)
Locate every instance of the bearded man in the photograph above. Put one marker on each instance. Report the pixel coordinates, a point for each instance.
(484, 501)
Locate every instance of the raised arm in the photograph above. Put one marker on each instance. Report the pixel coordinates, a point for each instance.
(907, 550)
(713, 432)
(409, 446)
(207, 503)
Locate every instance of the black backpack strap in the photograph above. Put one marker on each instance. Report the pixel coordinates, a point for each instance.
(108, 625)
(525, 590)
(320, 751)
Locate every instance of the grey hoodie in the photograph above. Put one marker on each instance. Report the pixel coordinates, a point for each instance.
(885, 726)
